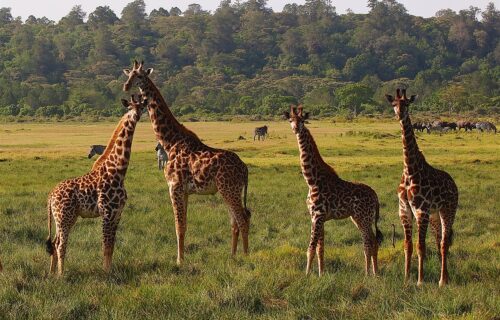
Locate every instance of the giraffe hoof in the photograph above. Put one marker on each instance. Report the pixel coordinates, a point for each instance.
(420, 283)
(442, 283)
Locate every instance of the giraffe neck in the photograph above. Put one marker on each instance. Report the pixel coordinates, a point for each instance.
(311, 162)
(168, 130)
(117, 153)
(413, 158)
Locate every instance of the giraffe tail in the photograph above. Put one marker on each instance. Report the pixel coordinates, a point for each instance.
(378, 235)
(247, 211)
(49, 246)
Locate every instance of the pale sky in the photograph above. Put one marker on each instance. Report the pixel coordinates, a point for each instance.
(55, 9)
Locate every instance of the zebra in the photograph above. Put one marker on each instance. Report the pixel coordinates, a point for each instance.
(486, 126)
(162, 156)
(96, 149)
(260, 132)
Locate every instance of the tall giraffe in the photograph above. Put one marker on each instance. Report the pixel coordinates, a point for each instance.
(193, 167)
(101, 192)
(430, 194)
(330, 197)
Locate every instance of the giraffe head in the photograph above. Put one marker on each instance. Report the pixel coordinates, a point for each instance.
(400, 103)
(137, 76)
(297, 118)
(137, 103)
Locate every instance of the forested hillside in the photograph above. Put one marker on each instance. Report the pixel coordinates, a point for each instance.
(244, 58)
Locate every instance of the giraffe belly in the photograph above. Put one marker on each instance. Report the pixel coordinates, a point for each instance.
(201, 188)
(88, 213)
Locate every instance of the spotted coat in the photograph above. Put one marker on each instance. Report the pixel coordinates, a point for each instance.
(101, 192)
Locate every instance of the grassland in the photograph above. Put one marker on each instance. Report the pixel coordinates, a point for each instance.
(268, 283)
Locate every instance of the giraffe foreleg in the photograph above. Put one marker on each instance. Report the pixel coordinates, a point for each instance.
(235, 234)
(405, 215)
(422, 223)
(317, 220)
(179, 200)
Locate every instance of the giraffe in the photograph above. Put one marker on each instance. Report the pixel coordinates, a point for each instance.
(330, 197)
(430, 194)
(100, 192)
(193, 167)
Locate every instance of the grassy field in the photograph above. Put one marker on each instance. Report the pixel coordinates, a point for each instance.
(270, 282)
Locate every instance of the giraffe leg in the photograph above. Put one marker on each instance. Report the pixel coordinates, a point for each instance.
(316, 231)
(368, 238)
(320, 251)
(109, 236)
(232, 197)
(62, 234)
(447, 217)
(53, 257)
(405, 215)
(435, 223)
(235, 233)
(179, 200)
(422, 223)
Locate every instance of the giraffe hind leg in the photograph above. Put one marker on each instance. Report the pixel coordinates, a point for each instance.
(369, 239)
(447, 218)
(435, 223)
(239, 216)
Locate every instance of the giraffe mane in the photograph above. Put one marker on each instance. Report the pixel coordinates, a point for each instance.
(163, 106)
(110, 145)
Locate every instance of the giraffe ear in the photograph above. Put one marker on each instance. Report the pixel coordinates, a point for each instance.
(149, 71)
(124, 103)
(286, 115)
(413, 98)
(126, 71)
(306, 116)
(389, 98)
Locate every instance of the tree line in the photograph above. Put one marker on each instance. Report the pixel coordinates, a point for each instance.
(246, 59)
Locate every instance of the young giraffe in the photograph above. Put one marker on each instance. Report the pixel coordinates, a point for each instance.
(429, 193)
(101, 192)
(330, 197)
(193, 167)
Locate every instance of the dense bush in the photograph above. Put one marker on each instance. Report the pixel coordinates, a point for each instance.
(246, 59)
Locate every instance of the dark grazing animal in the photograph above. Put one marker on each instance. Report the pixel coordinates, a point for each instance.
(466, 125)
(421, 126)
(96, 149)
(260, 132)
(486, 126)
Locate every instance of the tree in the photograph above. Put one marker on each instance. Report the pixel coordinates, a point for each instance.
(352, 96)
(74, 17)
(5, 16)
(102, 16)
(175, 12)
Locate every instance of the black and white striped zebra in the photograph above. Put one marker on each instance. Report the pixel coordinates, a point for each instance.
(96, 149)
(162, 156)
(260, 132)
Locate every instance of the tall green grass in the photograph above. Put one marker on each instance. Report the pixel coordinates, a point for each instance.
(270, 282)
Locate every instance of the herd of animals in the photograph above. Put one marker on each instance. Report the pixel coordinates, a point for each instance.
(443, 126)
(428, 194)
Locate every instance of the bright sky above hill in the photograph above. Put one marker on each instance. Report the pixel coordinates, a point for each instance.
(55, 9)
